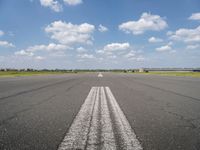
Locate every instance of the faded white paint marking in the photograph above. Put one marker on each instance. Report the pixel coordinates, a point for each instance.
(100, 75)
(127, 135)
(93, 138)
(107, 134)
(77, 136)
(92, 128)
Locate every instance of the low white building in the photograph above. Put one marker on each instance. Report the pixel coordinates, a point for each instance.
(141, 70)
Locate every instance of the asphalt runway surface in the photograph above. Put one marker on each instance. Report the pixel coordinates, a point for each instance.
(92, 111)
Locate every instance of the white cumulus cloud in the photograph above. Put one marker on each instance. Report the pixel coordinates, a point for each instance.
(186, 35)
(195, 16)
(102, 28)
(134, 55)
(164, 48)
(120, 51)
(147, 22)
(68, 33)
(81, 50)
(39, 58)
(86, 56)
(49, 47)
(73, 2)
(116, 47)
(52, 4)
(6, 44)
(52, 47)
(130, 54)
(24, 53)
(155, 40)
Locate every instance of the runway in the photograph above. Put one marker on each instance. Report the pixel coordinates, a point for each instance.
(100, 111)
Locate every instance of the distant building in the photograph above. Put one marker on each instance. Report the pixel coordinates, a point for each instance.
(141, 70)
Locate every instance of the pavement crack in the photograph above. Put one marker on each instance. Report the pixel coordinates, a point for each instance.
(164, 90)
(34, 89)
(181, 117)
(2, 122)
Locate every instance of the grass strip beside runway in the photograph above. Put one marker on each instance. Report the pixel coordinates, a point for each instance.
(29, 73)
(172, 73)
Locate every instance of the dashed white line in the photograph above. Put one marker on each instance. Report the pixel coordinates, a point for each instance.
(93, 127)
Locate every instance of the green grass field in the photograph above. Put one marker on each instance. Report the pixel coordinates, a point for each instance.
(29, 73)
(173, 73)
(33, 73)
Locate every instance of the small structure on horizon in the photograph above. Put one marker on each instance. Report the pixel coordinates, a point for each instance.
(141, 70)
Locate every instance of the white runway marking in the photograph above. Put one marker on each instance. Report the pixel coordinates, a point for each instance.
(128, 137)
(93, 128)
(100, 75)
(93, 134)
(107, 135)
(77, 136)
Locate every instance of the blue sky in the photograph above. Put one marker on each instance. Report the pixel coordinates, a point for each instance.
(94, 34)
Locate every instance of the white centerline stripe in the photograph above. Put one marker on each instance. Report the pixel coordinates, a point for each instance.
(77, 135)
(127, 134)
(107, 134)
(93, 128)
(93, 134)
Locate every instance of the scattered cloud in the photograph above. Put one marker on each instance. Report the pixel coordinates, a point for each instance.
(102, 28)
(169, 33)
(24, 53)
(155, 40)
(6, 44)
(81, 50)
(134, 55)
(116, 47)
(86, 56)
(56, 6)
(68, 33)
(52, 4)
(195, 16)
(164, 48)
(49, 47)
(139, 58)
(73, 2)
(193, 46)
(131, 54)
(58, 54)
(39, 58)
(1, 33)
(186, 35)
(52, 47)
(120, 52)
(147, 22)
(112, 56)
(170, 43)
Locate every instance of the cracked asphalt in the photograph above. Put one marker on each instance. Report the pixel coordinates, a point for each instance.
(36, 112)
